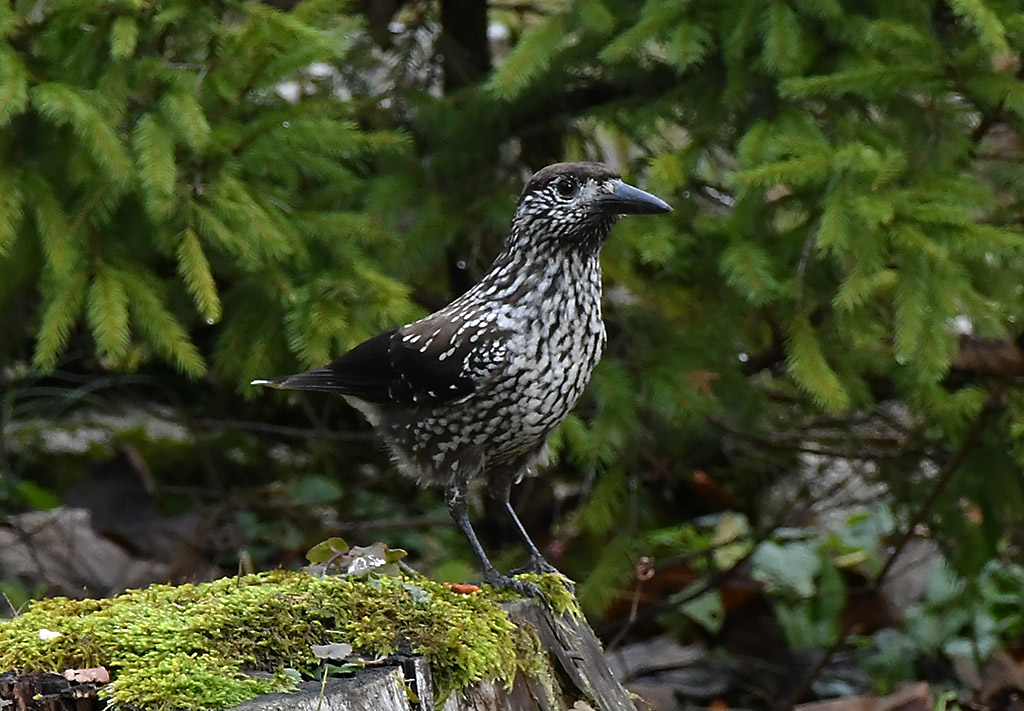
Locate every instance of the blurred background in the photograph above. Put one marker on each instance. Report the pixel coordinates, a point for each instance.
(798, 472)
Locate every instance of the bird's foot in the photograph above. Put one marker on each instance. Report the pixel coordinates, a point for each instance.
(538, 564)
(507, 582)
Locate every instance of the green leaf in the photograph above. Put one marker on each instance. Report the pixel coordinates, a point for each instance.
(39, 498)
(325, 550)
(706, 609)
(793, 566)
(731, 540)
(195, 270)
(316, 489)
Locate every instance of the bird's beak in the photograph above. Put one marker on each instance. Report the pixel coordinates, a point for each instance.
(626, 200)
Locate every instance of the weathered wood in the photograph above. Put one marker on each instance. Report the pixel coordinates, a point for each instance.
(378, 689)
(575, 652)
(578, 674)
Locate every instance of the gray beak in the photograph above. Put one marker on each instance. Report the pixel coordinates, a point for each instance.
(627, 200)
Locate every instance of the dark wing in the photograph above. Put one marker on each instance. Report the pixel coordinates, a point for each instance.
(416, 364)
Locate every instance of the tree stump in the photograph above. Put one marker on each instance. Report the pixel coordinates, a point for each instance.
(580, 679)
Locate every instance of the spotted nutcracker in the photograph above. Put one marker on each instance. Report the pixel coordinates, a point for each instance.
(474, 389)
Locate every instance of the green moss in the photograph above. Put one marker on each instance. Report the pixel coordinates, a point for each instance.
(558, 596)
(187, 647)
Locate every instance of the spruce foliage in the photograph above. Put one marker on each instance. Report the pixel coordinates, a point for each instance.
(845, 176)
(152, 169)
(845, 185)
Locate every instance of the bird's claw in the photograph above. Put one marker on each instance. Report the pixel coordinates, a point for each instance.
(538, 564)
(507, 582)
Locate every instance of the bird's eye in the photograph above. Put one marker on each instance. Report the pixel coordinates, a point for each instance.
(567, 187)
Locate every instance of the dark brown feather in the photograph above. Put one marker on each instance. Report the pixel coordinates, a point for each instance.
(388, 370)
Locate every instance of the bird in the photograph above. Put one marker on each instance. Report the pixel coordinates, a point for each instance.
(474, 389)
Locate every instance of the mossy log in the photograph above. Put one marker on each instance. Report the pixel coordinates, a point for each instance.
(219, 644)
(578, 679)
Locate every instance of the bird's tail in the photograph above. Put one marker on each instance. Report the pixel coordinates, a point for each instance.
(319, 380)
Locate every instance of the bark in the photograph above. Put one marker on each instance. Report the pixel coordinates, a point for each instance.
(579, 674)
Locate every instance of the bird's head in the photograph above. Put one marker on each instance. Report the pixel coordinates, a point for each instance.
(575, 204)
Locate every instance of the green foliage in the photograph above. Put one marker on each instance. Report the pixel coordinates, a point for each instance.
(962, 619)
(188, 647)
(847, 191)
(174, 143)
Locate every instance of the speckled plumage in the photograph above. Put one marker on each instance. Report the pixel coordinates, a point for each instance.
(476, 387)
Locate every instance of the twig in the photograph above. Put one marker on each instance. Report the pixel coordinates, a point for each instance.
(945, 477)
(756, 538)
(410, 522)
(283, 430)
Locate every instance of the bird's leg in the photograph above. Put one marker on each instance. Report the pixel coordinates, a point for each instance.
(500, 489)
(456, 496)
(537, 563)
